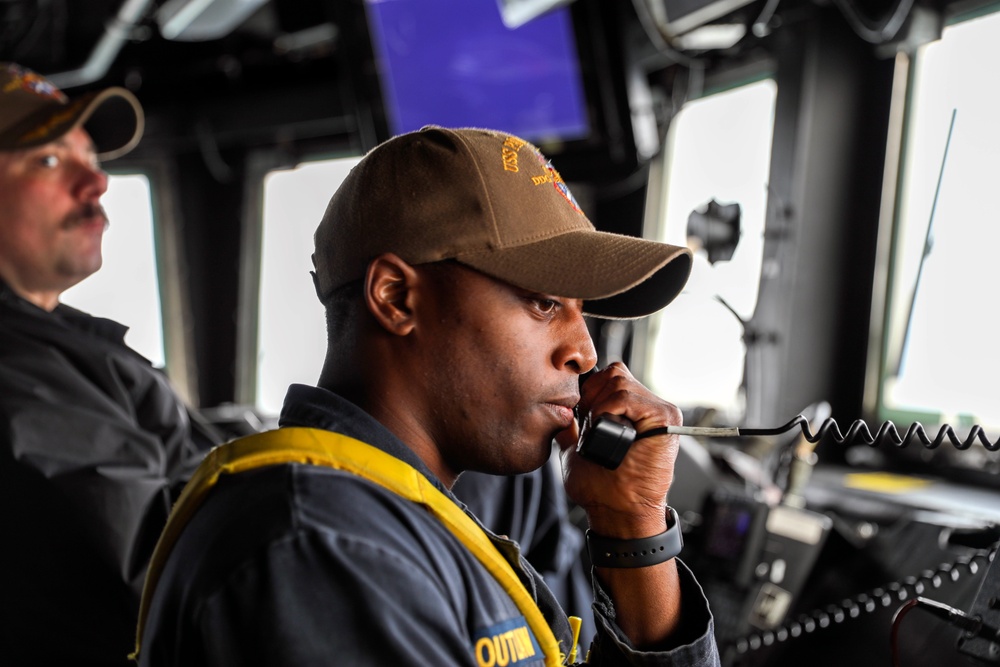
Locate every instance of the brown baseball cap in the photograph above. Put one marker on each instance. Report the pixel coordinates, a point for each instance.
(490, 201)
(34, 112)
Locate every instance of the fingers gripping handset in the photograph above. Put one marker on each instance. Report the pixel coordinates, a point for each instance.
(605, 439)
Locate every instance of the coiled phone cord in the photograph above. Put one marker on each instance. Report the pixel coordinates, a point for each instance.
(881, 597)
(866, 603)
(878, 598)
(858, 433)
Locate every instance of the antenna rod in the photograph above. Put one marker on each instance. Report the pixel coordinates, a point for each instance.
(928, 245)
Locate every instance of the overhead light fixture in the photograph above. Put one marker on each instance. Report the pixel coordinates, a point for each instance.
(201, 20)
(711, 36)
(515, 13)
(316, 37)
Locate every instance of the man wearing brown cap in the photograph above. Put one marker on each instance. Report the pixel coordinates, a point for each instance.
(92, 438)
(456, 270)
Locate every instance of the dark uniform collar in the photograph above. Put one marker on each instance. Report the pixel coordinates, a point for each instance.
(314, 407)
(63, 314)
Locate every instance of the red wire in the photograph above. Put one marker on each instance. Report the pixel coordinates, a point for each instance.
(897, 620)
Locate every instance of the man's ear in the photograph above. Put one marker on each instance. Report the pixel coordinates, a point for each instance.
(389, 295)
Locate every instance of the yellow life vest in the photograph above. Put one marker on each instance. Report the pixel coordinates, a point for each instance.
(324, 448)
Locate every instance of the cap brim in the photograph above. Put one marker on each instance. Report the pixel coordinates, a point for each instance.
(114, 120)
(617, 276)
(112, 117)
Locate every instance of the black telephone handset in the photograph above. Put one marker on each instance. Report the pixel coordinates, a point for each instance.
(605, 440)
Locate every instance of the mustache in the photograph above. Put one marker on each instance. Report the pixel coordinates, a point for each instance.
(85, 213)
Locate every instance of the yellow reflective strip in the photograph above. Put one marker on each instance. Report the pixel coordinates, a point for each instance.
(334, 450)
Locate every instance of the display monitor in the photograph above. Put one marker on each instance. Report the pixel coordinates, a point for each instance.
(456, 63)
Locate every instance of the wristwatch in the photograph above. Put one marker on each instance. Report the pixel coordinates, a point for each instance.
(608, 552)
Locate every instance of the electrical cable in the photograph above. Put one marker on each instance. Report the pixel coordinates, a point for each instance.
(875, 34)
(972, 625)
(897, 621)
(651, 28)
(759, 26)
(871, 601)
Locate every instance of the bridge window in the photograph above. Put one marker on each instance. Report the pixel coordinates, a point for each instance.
(291, 335)
(126, 288)
(718, 150)
(941, 362)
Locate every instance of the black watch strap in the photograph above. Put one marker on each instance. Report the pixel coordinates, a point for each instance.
(607, 552)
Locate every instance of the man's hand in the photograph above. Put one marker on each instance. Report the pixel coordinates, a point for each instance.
(627, 502)
(630, 501)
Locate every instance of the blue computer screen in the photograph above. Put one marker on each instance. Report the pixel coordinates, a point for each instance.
(455, 63)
